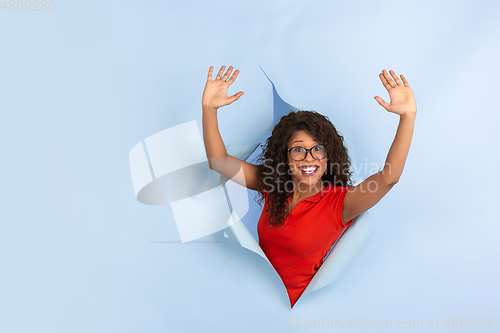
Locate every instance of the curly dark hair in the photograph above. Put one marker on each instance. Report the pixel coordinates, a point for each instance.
(273, 165)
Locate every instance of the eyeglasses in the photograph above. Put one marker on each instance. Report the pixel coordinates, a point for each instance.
(300, 153)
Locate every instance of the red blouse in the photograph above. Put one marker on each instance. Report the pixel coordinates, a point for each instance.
(297, 248)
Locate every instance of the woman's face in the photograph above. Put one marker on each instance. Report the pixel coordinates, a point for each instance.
(302, 175)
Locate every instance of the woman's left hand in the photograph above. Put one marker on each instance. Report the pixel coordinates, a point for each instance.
(402, 99)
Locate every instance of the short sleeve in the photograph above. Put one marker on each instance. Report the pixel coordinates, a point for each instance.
(338, 204)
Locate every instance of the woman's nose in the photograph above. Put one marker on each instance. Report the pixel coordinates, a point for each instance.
(309, 156)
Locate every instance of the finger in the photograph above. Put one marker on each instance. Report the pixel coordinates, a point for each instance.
(388, 78)
(220, 73)
(404, 81)
(233, 77)
(235, 97)
(382, 102)
(210, 73)
(229, 70)
(384, 81)
(396, 78)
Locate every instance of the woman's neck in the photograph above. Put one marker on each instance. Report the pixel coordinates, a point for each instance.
(303, 191)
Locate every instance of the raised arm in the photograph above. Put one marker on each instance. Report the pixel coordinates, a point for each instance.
(362, 197)
(214, 97)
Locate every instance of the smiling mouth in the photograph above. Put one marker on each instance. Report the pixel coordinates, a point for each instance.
(309, 170)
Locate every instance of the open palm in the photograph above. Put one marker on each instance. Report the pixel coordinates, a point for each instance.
(402, 99)
(215, 93)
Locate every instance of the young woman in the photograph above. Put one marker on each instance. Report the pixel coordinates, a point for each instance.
(304, 177)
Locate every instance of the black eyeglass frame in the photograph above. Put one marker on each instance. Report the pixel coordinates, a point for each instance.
(307, 151)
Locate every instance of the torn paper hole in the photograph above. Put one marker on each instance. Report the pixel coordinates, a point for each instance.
(201, 202)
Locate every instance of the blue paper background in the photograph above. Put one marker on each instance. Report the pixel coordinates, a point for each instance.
(81, 85)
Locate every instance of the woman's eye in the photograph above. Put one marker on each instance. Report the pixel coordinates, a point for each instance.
(298, 150)
(319, 148)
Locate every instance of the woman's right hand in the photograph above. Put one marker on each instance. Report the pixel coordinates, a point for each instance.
(215, 93)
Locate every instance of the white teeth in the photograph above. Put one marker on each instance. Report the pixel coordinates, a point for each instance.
(309, 170)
